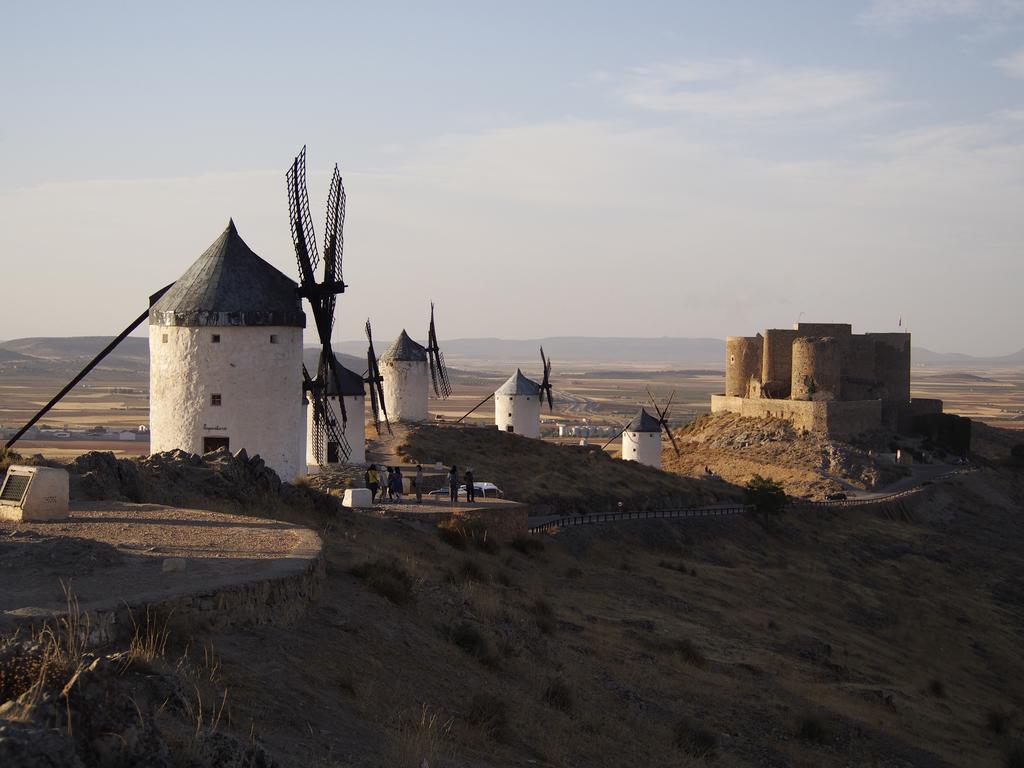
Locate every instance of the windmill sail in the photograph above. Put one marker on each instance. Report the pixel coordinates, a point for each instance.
(438, 370)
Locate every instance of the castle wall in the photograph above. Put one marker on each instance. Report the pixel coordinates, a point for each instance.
(520, 412)
(259, 382)
(742, 364)
(354, 431)
(816, 369)
(777, 362)
(834, 417)
(405, 389)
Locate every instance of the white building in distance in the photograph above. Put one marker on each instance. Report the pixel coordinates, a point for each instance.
(641, 441)
(225, 350)
(517, 406)
(353, 392)
(406, 379)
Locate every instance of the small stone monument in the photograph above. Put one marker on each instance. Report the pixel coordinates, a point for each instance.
(31, 494)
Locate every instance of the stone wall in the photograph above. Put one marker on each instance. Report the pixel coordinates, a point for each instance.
(835, 417)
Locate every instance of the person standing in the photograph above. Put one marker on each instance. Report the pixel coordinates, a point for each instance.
(386, 488)
(418, 481)
(453, 484)
(396, 484)
(470, 488)
(372, 482)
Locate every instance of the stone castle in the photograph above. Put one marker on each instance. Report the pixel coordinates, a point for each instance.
(822, 377)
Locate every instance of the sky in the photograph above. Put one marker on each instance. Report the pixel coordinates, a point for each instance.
(535, 168)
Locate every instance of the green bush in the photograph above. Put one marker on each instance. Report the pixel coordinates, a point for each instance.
(694, 739)
(558, 695)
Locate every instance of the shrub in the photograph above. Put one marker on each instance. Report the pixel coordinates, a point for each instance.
(463, 532)
(694, 739)
(810, 728)
(558, 695)
(998, 722)
(453, 537)
(766, 496)
(528, 545)
(468, 572)
(683, 647)
(937, 688)
(489, 713)
(387, 578)
(473, 642)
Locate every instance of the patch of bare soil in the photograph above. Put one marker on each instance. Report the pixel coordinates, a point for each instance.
(807, 464)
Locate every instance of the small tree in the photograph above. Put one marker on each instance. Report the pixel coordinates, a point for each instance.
(767, 497)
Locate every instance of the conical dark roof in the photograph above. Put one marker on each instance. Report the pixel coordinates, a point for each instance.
(230, 285)
(405, 349)
(518, 384)
(644, 422)
(351, 382)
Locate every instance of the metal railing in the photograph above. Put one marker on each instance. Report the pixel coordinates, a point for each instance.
(609, 517)
(888, 497)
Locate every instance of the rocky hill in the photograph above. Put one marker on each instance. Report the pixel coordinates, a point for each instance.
(807, 464)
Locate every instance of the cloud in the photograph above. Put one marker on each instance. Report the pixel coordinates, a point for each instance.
(1013, 64)
(747, 90)
(538, 229)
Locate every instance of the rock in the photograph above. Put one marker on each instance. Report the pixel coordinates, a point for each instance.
(241, 455)
(28, 746)
(173, 565)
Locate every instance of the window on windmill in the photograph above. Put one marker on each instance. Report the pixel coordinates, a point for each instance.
(163, 338)
(215, 338)
(215, 399)
(273, 338)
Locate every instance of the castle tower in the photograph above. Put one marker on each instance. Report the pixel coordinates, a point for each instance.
(353, 391)
(816, 369)
(225, 350)
(743, 365)
(517, 406)
(406, 378)
(642, 440)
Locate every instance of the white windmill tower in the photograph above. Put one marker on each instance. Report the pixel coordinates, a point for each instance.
(641, 440)
(406, 378)
(641, 437)
(226, 359)
(350, 387)
(517, 406)
(517, 402)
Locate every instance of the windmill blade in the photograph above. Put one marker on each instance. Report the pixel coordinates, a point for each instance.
(89, 366)
(303, 237)
(334, 240)
(376, 382)
(671, 437)
(617, 435)
(471, 410)
(325, 422)
(333, 371)
(438, 369)
(545, 386)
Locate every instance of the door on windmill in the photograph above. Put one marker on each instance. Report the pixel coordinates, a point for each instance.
(332, 452)
(215, 443)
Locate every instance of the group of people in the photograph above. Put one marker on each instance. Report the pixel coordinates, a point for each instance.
(388, 482)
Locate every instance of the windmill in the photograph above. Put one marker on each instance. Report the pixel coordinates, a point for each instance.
(438, 371)
(376, 382)
(518, 402)
(322, 298)
(641, 436)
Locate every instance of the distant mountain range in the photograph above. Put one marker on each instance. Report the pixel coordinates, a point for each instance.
(60, 354)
